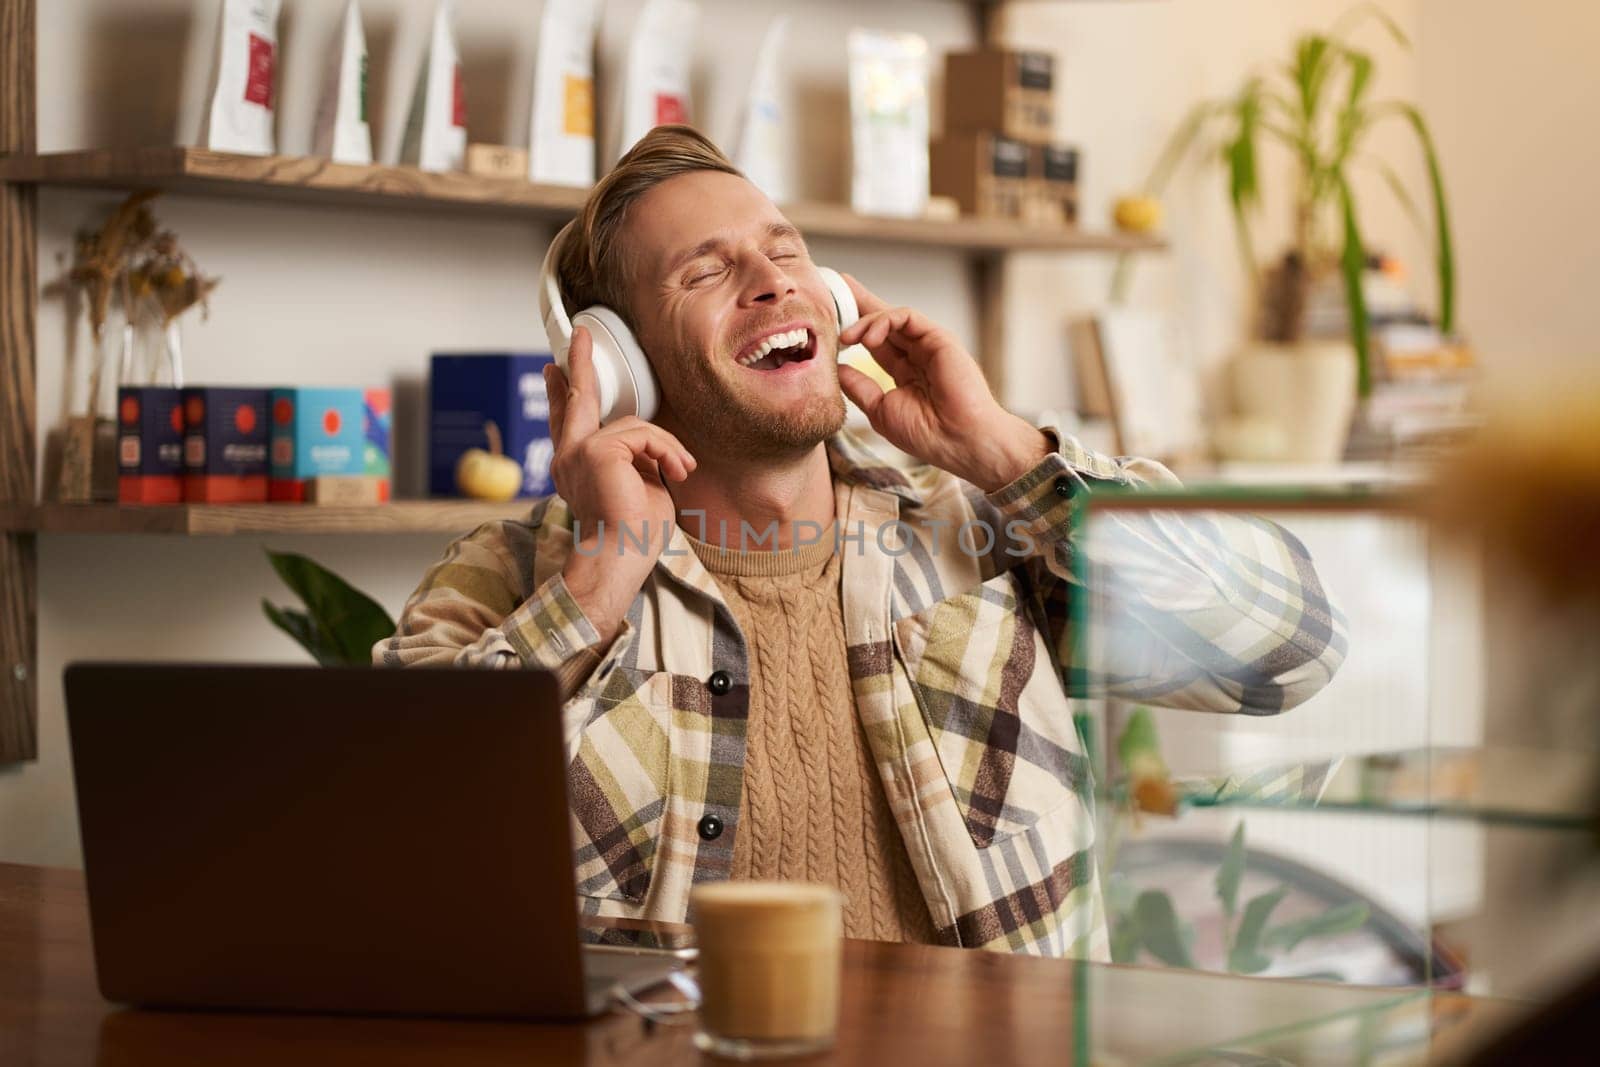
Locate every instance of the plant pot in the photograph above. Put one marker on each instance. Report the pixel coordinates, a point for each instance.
(1306, 391)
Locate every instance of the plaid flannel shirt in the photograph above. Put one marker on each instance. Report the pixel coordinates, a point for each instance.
(960, 663)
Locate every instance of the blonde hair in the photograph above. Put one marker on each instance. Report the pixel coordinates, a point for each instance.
(594, 266)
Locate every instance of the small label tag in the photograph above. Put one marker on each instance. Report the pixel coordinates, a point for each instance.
(1010, 158)
(670, 109)
(458, 102)
(1035, 70)
(258, 83)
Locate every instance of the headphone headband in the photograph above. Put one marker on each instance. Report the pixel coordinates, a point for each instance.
(552, 306)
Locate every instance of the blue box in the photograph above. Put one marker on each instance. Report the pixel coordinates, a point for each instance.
(149, 445)
(315, 432)
(468, 390)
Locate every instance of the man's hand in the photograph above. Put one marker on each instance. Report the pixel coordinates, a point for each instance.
(612, 479)
(941, 410)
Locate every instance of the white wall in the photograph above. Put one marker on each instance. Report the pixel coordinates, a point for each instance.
(1511, 90)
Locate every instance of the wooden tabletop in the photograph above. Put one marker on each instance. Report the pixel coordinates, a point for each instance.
(901, 1004)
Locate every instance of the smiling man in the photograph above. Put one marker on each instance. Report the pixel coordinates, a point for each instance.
(835, 667)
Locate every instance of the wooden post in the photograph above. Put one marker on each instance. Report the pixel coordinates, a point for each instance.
(988, 269)
(19, 575)
(988, 280)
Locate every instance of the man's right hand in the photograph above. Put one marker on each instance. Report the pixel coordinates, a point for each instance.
(612, 479)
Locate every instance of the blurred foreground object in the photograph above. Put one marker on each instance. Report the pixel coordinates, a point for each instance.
(1528, 493)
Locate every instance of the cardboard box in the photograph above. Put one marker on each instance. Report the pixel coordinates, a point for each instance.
(468, 390)
(985, 173)
(149, 445)
(347, 490)
(1055, 185)
(497, 161)
(377, 422)
(224, 445)
(315, 432)
(1010, 93)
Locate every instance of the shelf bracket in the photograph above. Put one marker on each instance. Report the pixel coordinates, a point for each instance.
(988, 285)
(19, 290)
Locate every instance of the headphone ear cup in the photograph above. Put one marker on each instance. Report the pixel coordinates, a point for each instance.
(844, 301)
(844, 306)
(627, 381)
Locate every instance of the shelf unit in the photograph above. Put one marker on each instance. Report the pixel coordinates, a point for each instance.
(984, 243)
(220, 520)
(307, 179)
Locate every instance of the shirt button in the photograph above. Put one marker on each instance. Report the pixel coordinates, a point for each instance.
(710, 827)
(1063, 486)
(719, 683)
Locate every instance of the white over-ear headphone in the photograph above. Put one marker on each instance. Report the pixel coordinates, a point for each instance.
(627, 382)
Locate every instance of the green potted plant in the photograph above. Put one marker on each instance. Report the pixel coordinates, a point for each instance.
(1319, 107)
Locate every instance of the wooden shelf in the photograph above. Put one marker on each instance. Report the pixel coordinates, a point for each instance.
(312, 180)
(405, 516)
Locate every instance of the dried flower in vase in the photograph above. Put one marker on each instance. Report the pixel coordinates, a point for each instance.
(102, 256)
(168, 275)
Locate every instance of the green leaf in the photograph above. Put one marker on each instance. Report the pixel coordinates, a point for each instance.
(1139, 747)
(1310, 71)
(304, 631)
(1125, 939)
(1401, 194)
(1352, 18)
(1339, 919)
(1445, 254)
(1352, 264)
(1231, 872)
(1244, 186)
(350, 621)
(1161, 932)
(1245, 956)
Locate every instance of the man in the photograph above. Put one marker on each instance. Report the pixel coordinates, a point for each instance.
(835, 668)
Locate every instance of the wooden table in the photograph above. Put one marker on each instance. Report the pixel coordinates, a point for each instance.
(902, 1004)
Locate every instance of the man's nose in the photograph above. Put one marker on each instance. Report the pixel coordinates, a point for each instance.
(764, 282)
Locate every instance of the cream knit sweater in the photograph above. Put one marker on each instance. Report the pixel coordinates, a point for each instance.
(812, 805)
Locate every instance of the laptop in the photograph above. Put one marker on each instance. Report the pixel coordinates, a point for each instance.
(334, 840)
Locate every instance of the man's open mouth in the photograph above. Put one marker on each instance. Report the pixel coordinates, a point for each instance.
(775, 350)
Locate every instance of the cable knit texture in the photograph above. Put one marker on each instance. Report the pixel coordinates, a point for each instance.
(812, 804)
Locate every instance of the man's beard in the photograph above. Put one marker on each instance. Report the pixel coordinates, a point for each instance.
(725, 420)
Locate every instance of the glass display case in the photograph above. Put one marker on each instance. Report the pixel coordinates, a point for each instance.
(1396, 823)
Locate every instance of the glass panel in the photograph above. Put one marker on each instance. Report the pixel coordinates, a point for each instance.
(1149, 1016)
(1431, 804)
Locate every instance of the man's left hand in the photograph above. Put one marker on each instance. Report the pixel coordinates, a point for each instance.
(941, 410)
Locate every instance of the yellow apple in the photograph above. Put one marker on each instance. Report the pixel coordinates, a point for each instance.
(1137, 214)
(488, 474)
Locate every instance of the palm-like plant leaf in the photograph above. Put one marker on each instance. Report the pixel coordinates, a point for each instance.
(341, 623)
(1352, 264)
(1244, 187)
(1445, 250)
(1245, 955)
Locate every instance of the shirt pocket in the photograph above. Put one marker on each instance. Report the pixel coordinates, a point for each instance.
(988, 688)
(618, 782)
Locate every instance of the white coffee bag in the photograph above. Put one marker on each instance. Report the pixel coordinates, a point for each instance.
(436, 129)
(888, 123)
(244, 82)
(341, 132)
(660, 60)
(762, 150)
(561, 131)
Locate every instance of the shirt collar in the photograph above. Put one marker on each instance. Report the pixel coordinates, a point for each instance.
(853, 460)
